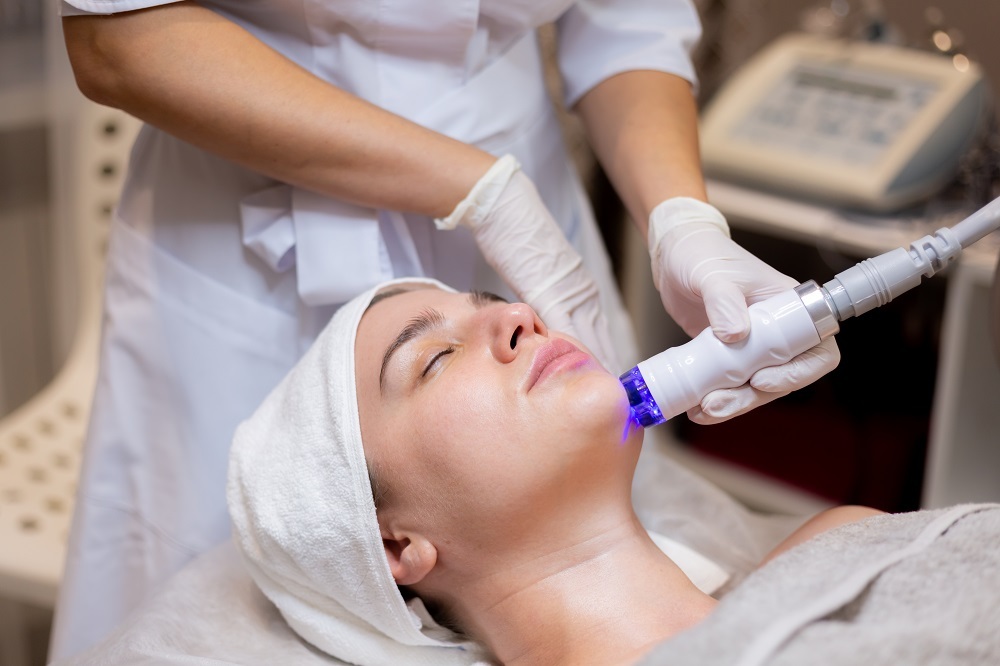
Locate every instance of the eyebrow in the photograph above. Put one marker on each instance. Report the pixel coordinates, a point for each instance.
(429, 320)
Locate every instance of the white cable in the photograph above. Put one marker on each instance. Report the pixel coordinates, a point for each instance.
(876, 281)
(980, 223)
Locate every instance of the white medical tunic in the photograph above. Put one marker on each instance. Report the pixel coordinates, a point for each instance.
(219, 278)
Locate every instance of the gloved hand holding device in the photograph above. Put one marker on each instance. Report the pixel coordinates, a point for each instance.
(706, 279)
(523, 243)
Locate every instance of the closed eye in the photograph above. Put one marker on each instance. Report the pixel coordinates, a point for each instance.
(435, 359)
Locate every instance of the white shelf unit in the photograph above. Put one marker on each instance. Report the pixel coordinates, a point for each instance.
(964, 455)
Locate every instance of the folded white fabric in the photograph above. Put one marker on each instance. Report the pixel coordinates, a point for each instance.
(706, 575)
(304, 518)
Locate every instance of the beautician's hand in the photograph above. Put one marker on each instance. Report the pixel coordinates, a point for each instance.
(525, 246)
(705, 279)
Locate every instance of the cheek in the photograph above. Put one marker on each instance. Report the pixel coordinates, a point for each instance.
(470, 416)
(462, 442)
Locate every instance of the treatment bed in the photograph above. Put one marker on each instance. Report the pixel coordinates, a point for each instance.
(909, 588)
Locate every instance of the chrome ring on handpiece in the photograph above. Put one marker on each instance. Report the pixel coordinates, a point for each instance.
(819, 309)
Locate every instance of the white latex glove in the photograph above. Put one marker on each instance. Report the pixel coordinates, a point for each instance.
(705, 279)
(525, 246)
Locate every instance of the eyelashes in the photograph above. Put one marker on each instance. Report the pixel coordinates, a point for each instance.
(479, 300)
(435, 359)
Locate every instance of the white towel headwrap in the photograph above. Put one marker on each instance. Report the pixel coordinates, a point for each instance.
(304, 518)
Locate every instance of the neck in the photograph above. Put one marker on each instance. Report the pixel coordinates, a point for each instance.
(607, 598)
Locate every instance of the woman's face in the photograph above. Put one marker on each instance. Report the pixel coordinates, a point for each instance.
(479, 420)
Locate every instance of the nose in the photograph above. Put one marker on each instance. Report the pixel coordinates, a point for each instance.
(512, 325)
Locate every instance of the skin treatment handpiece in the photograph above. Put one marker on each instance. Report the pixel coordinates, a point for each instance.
(792, 322)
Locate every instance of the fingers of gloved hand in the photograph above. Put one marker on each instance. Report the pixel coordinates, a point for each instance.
(726, 308)
(767, 384)
(725, 404)
(706, 279)
(576, 311)
(688, 313)
(730, 285)
(525, 246)
(672, 277)
(590, 327)
(603, 345)
(801, 371)
(696, 253)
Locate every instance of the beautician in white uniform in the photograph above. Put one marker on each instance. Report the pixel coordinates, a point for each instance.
(298, 152)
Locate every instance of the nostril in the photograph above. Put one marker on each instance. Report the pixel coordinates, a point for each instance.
(513, 338)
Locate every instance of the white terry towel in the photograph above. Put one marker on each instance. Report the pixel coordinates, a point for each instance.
(304, 517)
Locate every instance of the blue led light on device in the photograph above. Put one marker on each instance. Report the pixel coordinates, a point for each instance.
(644, 407)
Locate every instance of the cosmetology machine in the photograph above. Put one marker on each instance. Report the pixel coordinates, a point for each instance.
(869, 125)
(785, 325)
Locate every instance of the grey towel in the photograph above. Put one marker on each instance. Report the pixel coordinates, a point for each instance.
(916, 588)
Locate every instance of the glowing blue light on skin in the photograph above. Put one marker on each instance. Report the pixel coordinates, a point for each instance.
(631, 426)
(645, 411)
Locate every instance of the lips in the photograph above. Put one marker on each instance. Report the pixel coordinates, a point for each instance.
(552, 357)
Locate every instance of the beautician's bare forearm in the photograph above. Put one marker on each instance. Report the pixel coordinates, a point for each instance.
(206, 80)
(643, 125)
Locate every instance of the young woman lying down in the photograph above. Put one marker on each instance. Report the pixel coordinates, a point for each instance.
(459, 449)
(449, 452)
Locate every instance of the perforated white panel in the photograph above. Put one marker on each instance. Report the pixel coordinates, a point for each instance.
(40, 443)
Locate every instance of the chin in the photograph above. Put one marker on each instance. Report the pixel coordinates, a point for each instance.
(598, 403)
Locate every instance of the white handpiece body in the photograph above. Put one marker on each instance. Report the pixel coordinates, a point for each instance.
(780, 329)
(792, 322)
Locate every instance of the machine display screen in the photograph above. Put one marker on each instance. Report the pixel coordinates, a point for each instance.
(842, 112)
(806, 79)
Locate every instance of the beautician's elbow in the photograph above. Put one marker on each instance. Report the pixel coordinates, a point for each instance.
(97, 57)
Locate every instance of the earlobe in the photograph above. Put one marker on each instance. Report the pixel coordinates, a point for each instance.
(411, 557)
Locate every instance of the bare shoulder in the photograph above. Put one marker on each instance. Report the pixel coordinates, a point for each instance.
(822, 522)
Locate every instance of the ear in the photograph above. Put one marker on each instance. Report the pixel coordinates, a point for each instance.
(411, 556)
